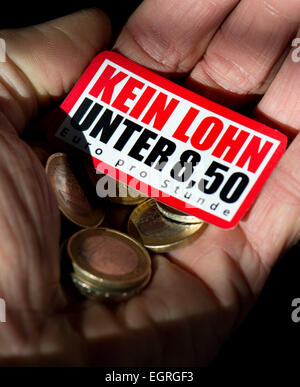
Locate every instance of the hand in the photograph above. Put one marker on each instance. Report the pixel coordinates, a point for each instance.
(200, 294)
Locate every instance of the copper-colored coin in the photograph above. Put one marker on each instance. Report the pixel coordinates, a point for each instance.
(157, 233)
(176, 215)
(109, 259)
(71, 198)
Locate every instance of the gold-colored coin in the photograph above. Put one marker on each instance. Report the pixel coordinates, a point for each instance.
(109, 260)
(71, 198)
(157, 233)
(176, 215)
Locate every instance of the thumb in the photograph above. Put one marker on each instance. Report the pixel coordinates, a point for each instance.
(44, 61)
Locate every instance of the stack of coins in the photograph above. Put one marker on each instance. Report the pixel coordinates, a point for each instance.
(101, 271)
(161, 229)
(108, 248)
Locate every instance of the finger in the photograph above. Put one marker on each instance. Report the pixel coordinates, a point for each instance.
(44, 61)
(29, 256)
(171, 36)
(280, 106)
(247, 51)
(279, 202)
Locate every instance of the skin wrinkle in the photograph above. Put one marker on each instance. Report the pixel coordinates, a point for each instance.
(65, 84)
(142, 48)
(19, 108)
(241, 30)
(24, 84)
(249, 83)
(228, 34)
(171, 56)
(244, 75)
(270, 7)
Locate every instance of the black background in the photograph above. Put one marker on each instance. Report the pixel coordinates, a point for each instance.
(268, 335)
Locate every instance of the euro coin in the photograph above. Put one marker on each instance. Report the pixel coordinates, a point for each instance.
(72, 200)
(109, 260)
(158, 233)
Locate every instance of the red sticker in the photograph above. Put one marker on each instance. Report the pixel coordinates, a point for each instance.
(168, 142)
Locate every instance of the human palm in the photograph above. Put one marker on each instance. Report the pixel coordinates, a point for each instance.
(200, 293)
